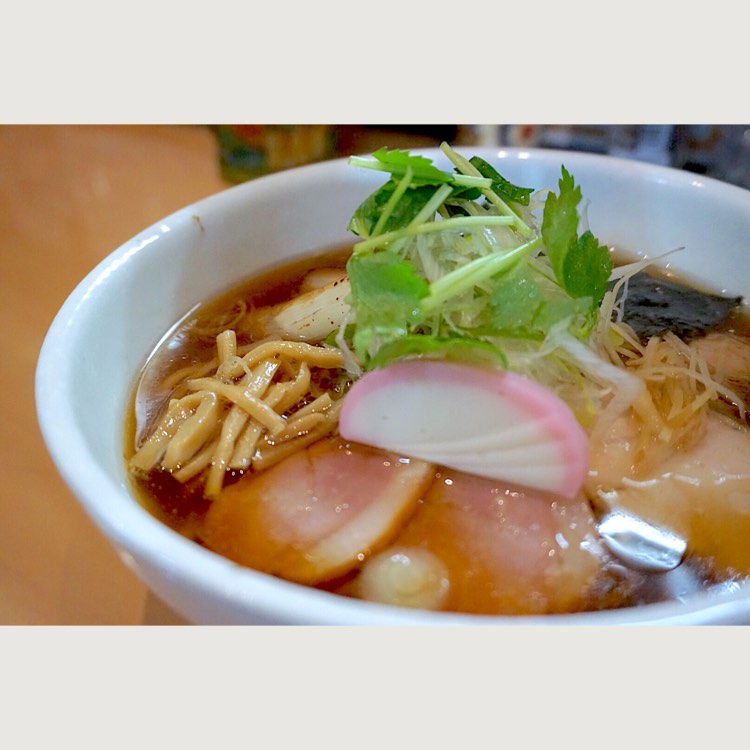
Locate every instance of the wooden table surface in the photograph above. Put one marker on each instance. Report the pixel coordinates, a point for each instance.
(70, 195)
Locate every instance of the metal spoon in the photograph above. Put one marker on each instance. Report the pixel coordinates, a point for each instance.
(639, 544)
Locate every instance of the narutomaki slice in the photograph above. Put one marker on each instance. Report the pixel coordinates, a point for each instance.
(491, 423)
(319, 513)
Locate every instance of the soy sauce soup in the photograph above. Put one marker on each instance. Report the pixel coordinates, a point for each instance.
(455, 542)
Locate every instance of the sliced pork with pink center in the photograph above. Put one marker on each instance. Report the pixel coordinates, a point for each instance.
(318, 514)
(507, 549)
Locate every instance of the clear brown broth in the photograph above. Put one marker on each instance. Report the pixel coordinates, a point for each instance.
(182, 507)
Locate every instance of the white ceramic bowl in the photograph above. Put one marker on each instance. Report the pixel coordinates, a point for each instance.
(111, 322)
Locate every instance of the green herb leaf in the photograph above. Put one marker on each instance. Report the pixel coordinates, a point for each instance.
(581, 265)
(368, 213)
(505, 189)
(386, 294)
(455, 348)
(398, 161)
(577, 312)
(560, 222)
(587, 268)
(515, 303)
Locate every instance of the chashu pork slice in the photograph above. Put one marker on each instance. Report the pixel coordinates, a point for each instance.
(507, 549)
(319, 513)
(701, 493)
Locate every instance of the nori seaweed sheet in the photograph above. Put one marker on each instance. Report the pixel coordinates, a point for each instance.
(654, 305)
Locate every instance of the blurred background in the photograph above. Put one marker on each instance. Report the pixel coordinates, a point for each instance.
(72, 194)
(719, 151)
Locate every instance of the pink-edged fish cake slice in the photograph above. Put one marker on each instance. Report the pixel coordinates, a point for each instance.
(490, 423)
